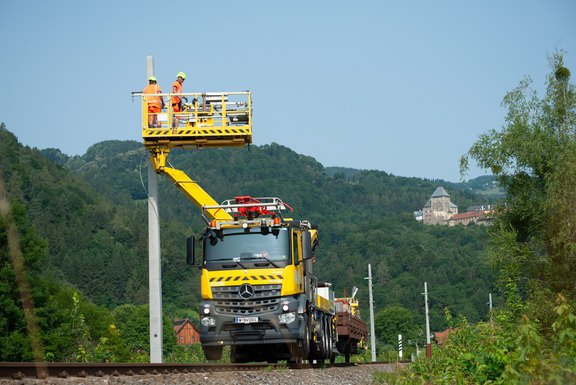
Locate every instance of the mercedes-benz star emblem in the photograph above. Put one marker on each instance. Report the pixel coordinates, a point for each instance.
(246, 291)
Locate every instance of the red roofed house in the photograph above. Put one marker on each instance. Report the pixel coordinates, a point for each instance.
(478, 217)
(186, 333)
(440, 337)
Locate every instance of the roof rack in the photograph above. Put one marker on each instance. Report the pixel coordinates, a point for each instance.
(250, 207)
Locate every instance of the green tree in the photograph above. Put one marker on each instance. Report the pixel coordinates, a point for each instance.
(133, 325)
(65, 326)
(394, 320)
(534, 158)
(21, 251)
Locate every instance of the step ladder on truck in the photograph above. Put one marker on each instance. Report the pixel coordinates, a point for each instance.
(258, 291)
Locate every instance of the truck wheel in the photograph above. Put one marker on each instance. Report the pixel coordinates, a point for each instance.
(325, 334)
(321, 336)
(212, 353)
(329, 346)
(305, 348)
(237, 355)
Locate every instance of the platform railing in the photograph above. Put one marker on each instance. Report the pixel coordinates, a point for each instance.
(207, 119)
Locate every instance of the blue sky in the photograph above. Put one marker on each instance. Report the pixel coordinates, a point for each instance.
(405, 87)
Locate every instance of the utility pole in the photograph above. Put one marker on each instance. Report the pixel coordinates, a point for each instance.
(428, 346)
(154, 267)
(371, 299)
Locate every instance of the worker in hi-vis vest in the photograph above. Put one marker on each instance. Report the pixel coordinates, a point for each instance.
(155, 103)
(177, 100)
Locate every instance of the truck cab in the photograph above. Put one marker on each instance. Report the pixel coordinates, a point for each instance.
(258, 293)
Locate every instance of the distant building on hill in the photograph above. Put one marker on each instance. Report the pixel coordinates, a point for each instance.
(439, 210)
(479, 217)
(418, 215)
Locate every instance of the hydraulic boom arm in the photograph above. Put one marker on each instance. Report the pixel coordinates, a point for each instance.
(196, 194)
(189, 187)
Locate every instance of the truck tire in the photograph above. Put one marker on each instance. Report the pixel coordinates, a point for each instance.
(321, 338)
(237, 355)
(212, 353)
(329, 337)
(305, 348)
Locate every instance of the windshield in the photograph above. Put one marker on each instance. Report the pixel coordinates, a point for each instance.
(249, 249)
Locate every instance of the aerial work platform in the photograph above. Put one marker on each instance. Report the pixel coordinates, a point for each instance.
(210, 119)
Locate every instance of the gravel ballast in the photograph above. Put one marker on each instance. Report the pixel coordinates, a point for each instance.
(353, 375)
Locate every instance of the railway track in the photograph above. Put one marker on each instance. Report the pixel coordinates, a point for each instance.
(44, 370)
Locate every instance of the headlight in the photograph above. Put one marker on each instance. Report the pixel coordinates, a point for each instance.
(286, 318)
(208, 321)
(285, 307)
(206, 310)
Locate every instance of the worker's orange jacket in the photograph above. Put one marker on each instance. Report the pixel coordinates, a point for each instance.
(153, 101)
(176, 89)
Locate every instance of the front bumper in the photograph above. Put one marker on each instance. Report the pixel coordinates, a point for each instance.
(229, 330)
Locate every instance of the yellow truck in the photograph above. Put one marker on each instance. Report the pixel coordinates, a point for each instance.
(259, 293)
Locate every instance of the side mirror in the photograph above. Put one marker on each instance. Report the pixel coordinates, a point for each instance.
(306, 245)
(190, 251)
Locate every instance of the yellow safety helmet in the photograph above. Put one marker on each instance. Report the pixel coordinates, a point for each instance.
(181, 75)
(152, 79)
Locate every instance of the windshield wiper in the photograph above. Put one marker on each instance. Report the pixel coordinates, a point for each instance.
(237, 260)
(261, 256)
(225, 260)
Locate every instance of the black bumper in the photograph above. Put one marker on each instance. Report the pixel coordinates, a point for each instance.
(268, 330)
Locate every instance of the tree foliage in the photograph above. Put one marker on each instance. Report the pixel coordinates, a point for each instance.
(65, 324)
(505, 351)
(394, 320)
(533, 157)
(529, 340)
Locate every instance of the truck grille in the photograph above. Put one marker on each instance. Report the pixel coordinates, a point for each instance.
(227, 300)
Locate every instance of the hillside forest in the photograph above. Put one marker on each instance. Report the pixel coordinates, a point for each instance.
(87, 216)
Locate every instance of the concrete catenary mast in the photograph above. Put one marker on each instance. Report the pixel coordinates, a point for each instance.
(154, 267)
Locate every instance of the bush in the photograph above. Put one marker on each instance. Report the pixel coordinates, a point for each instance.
(500, 352)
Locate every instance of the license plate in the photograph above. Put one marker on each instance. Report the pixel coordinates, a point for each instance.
(246, 320)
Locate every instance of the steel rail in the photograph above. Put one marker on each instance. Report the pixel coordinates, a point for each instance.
(43, 370)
